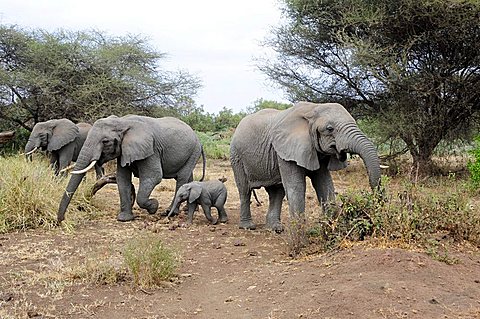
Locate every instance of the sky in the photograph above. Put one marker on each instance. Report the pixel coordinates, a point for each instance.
(215, 40)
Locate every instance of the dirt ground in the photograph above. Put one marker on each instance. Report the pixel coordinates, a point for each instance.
(226, 272)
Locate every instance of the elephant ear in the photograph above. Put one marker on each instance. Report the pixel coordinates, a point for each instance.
(195, 192)
(63, 132)
(291, 138)
(137, 143)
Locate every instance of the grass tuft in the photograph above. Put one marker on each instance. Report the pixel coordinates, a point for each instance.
(150, 261)
(30, 194)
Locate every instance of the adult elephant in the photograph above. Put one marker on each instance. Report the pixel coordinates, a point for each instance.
(150, 148)
(277, 150)
(62, 139)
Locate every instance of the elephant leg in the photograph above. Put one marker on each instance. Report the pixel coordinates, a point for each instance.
(143, 196)
(207, 210)
(246, 221)
(191, 210)
(276, 193)
(293, 180)
(220, 205)
(323, 184)
(64, 160)
(54, 162)
(124, 183)
(99, 171)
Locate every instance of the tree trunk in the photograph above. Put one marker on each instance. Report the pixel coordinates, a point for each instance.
(6, 136)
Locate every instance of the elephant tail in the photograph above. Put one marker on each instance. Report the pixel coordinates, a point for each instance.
(259, 203)
(204, 160)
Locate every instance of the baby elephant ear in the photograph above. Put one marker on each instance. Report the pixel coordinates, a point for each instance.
(64, 131)
(195, 192)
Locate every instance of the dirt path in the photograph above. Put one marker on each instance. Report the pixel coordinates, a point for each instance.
(228, 273)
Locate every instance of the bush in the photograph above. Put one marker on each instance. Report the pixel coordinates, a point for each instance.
(216, 145)
(474, 165)
(412, 215)
(30, 194)
(149, 261)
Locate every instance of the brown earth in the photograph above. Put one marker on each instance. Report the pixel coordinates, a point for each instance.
(226, 272)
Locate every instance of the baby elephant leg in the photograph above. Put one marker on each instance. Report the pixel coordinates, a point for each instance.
(220, 205)
(208, 213)
(191, 210)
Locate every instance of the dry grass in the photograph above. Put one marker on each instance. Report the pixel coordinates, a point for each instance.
(30, 193)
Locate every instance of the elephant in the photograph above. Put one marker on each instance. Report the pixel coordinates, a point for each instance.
(62, 139)
(277, 150)
(208, 194)
(150, 148)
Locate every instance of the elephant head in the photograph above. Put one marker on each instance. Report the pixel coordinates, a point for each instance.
(51, 135)
(189, 191)
(125, 138)
(313, 133)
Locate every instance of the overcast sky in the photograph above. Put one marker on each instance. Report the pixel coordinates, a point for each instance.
(216, 40)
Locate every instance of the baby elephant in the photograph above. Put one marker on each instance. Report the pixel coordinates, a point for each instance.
(208, 194)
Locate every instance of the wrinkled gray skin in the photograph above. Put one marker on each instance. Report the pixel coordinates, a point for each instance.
(149, 148)
(62, 139)
(208, 194)
(278, 149)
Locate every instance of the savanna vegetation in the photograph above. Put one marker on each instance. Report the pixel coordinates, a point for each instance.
(408, 70)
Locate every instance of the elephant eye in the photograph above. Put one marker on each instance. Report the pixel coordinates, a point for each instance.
(330, 128)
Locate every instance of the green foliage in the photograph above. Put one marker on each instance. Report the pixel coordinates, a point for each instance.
(150, 261)
(261, 104)
(412, 214)
(30, 193)
(375, 57)
(474, 165)
(82, 76)
(216, 145)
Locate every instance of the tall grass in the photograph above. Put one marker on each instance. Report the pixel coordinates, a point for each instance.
(30, 194)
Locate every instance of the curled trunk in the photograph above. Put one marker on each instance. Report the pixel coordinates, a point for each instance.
(355, 141)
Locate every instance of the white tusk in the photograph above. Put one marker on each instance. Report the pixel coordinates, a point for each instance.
(86, 169)
(67, 168)
(384, 166)
(36, 148)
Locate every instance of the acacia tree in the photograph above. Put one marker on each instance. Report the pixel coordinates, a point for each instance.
(412, 65)
(82, 76)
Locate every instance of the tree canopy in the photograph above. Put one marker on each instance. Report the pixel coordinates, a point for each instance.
(411, 65)
(83, 76)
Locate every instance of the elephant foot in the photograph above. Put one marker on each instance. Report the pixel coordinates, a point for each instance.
(247, 224)
(275, 226)
(222, 219)
(151, 206)
(125, 217)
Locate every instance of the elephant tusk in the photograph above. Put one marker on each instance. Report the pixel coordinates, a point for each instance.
(384, 166)
(32, 151)
(86, 169)
(67, 168)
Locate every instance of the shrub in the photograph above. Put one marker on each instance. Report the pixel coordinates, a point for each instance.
(216, 145)
(30, 194)
(413, 214)
(474, 165)
(150, 261)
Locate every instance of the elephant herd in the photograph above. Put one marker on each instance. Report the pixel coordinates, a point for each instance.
(273, 149)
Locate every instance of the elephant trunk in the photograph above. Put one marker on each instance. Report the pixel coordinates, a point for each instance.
(174, 208)
(356, 142)
(30, 148)
(82, 162)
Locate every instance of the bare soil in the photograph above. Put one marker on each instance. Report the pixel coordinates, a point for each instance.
(226, 272)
